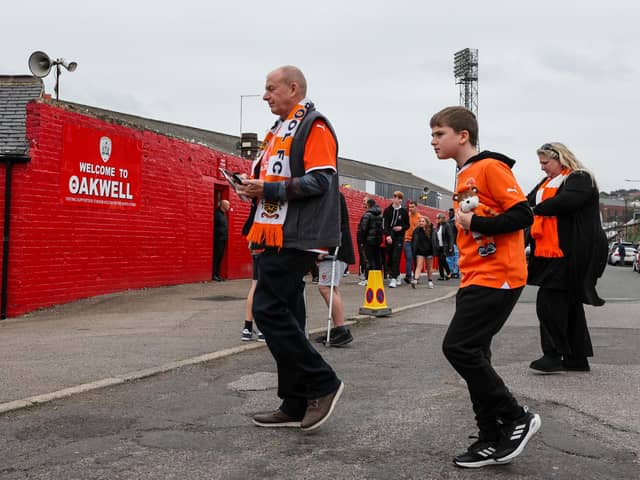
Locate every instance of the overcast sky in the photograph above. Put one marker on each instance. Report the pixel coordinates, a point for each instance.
(558, 70)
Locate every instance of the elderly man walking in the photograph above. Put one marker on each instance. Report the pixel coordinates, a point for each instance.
(296, 217)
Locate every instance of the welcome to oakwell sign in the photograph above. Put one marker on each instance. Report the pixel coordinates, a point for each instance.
(100, 169)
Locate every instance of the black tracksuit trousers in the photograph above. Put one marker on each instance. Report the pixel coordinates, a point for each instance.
(480, 314)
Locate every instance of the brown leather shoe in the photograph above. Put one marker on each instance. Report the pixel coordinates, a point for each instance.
(319, 410)
(275, 419)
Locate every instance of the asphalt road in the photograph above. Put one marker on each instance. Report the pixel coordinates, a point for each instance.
(404, 412)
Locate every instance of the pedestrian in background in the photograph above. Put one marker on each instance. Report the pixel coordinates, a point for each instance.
(296, 217)
(414, 217)
(489, 288)
(248, 332)
(340, 335)
(452, 260)
(220, 236)
(568, 255)
(396, 223)
(444, 238)
(362, 257)
(371, 233)
(423, 244)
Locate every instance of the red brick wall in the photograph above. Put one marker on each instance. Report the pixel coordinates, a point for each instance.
(61, 252)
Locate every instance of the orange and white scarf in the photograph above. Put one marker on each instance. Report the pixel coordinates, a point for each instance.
(273, 158)
(545, 229)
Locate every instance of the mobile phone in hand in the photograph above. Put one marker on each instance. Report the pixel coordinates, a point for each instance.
(237, 178)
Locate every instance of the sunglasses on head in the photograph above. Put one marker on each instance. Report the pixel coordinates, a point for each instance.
(547, 147)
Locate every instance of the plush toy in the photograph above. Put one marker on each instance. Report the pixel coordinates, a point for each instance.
(469, 201)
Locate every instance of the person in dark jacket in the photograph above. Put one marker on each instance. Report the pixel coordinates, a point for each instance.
(220, 235)
(339, 335)
(396, 222)
(423, 246)
(444, 243)
(622, 252)
(568, 255)
(371, 232)
(362, 258)
(452, 260)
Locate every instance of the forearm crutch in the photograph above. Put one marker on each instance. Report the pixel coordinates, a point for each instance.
(334, 259)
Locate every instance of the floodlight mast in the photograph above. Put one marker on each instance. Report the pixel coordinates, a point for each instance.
(465, 70)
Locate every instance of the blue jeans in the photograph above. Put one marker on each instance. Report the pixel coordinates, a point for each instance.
(408, 257)
(452, 260)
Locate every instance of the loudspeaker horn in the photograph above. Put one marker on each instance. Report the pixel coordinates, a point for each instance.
(40, 64)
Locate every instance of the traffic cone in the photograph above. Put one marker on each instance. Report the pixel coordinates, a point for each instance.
(375, 300)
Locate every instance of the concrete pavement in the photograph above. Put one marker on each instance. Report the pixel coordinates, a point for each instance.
(112, 339)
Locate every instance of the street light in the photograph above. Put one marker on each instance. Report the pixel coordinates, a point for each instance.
(40, 65)
(242, 97)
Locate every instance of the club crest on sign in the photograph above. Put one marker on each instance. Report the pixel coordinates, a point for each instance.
(105, 149)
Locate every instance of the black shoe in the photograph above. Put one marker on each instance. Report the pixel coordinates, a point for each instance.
(407, 280)
(455, 275)
(315, 280)
(442, 278)
(516, 435)
(338, 337)
(576, 365)
(480, 454)
(547, 365)
(218, 278)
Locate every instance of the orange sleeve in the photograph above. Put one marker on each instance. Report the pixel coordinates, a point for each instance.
(320, 151)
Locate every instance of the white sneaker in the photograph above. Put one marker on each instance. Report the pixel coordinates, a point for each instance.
(247, 335)
(393, 283)
(362, 283)
(414, 282)
(430, 284)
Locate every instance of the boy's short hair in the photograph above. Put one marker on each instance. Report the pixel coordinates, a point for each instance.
(370, 202)
(398, 194)
(459, 119)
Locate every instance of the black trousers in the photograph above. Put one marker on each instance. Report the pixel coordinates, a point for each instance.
(480, 314)
(374, 260)
(395, 253)
(563, 325)
(443, 265)
(279, 313)
(219, 246)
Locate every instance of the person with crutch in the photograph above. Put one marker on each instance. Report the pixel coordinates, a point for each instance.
(330, 268)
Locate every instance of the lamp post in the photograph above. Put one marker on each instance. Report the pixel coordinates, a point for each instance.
(242, 97)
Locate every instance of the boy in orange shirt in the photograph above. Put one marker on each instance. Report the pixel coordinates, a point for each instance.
(489, 288)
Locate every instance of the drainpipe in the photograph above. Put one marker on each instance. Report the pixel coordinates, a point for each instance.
(9, 161)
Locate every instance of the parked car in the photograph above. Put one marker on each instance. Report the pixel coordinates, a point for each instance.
(630, 253)
(636, 262)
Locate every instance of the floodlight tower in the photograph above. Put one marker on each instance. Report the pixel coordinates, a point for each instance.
(465, 70)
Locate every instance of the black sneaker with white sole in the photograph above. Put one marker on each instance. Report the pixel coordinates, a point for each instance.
(516, 435)
(480, 454)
